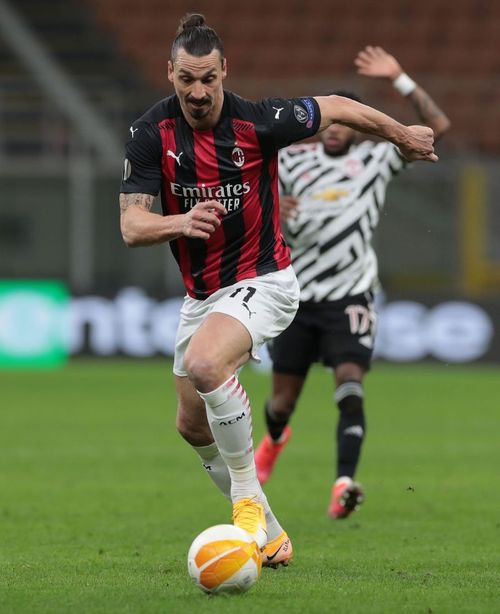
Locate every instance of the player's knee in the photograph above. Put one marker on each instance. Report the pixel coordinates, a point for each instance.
(349, 372)
(202, 371)
(283, 404)
(349, 397)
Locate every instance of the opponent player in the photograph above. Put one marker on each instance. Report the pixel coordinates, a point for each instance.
(213, 157)
(333, 192)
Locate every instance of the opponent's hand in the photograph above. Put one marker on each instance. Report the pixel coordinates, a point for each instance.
(288, 208)
(418, 144)
(203, 219)
(376, 62)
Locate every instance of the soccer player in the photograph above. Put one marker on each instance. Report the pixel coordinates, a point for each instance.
(213, 157)
(332, 195)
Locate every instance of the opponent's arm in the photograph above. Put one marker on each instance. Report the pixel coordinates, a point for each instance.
(140, 226)
(414, 142)
(377, 63)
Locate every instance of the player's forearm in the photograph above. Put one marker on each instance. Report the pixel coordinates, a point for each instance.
(340, 110)
(141, 227)
(428, 112)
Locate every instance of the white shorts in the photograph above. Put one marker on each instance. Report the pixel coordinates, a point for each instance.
(265, 305)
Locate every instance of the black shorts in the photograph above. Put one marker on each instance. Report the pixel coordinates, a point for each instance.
(332, 333)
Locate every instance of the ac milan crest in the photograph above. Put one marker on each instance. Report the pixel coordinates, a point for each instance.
(238, 157)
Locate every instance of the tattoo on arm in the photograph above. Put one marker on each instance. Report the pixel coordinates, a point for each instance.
(145, 201)
(425, 107)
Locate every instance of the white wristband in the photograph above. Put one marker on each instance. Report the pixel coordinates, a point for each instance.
(404, 84)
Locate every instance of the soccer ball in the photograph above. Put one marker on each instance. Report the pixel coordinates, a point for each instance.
(224, 559)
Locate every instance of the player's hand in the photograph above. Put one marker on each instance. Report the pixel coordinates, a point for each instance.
(376, 62)
(288, 208)
(203, 219)
(418, 144)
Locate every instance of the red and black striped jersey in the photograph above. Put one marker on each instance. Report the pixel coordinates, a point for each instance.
(235, 163)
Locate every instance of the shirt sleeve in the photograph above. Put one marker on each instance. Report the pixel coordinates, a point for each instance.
(142, 164)
(290, 120)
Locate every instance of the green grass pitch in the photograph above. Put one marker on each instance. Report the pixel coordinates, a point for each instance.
(100, 498)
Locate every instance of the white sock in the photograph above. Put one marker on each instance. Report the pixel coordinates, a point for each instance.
(273, 526)
(230, 419)
(217, 469)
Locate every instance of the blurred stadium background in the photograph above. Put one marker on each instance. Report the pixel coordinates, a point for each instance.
(75, 73)
(93, 514)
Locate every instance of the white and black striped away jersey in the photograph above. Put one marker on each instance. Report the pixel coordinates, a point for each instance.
(340, 203)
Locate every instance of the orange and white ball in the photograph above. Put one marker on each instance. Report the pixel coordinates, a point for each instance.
(224, 558)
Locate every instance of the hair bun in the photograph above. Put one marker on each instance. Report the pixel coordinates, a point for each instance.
(195, 37)
(192, 20)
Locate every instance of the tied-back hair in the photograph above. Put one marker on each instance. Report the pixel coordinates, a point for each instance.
(345, 94)
(196, 37)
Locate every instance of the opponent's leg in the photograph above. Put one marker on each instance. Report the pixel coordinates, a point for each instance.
(278, 411)
(292, 354)
(351, 425)
(347, 495)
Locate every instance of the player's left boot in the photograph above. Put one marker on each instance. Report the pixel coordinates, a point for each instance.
(277, 552)
(347, 496)
(248, 514)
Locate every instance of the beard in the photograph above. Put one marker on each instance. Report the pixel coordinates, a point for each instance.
(196, 110)
(199, 113)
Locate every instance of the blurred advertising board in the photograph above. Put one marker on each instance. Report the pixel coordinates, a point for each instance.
(33, 318)
(450, 331)
(39, 324)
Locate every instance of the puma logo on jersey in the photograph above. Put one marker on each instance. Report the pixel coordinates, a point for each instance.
(278, 111)
(172, 155)
(133, 131)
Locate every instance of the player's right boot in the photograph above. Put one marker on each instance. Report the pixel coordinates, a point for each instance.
(248, 514)
(346, 498)
(277, 552)
(267, 454)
